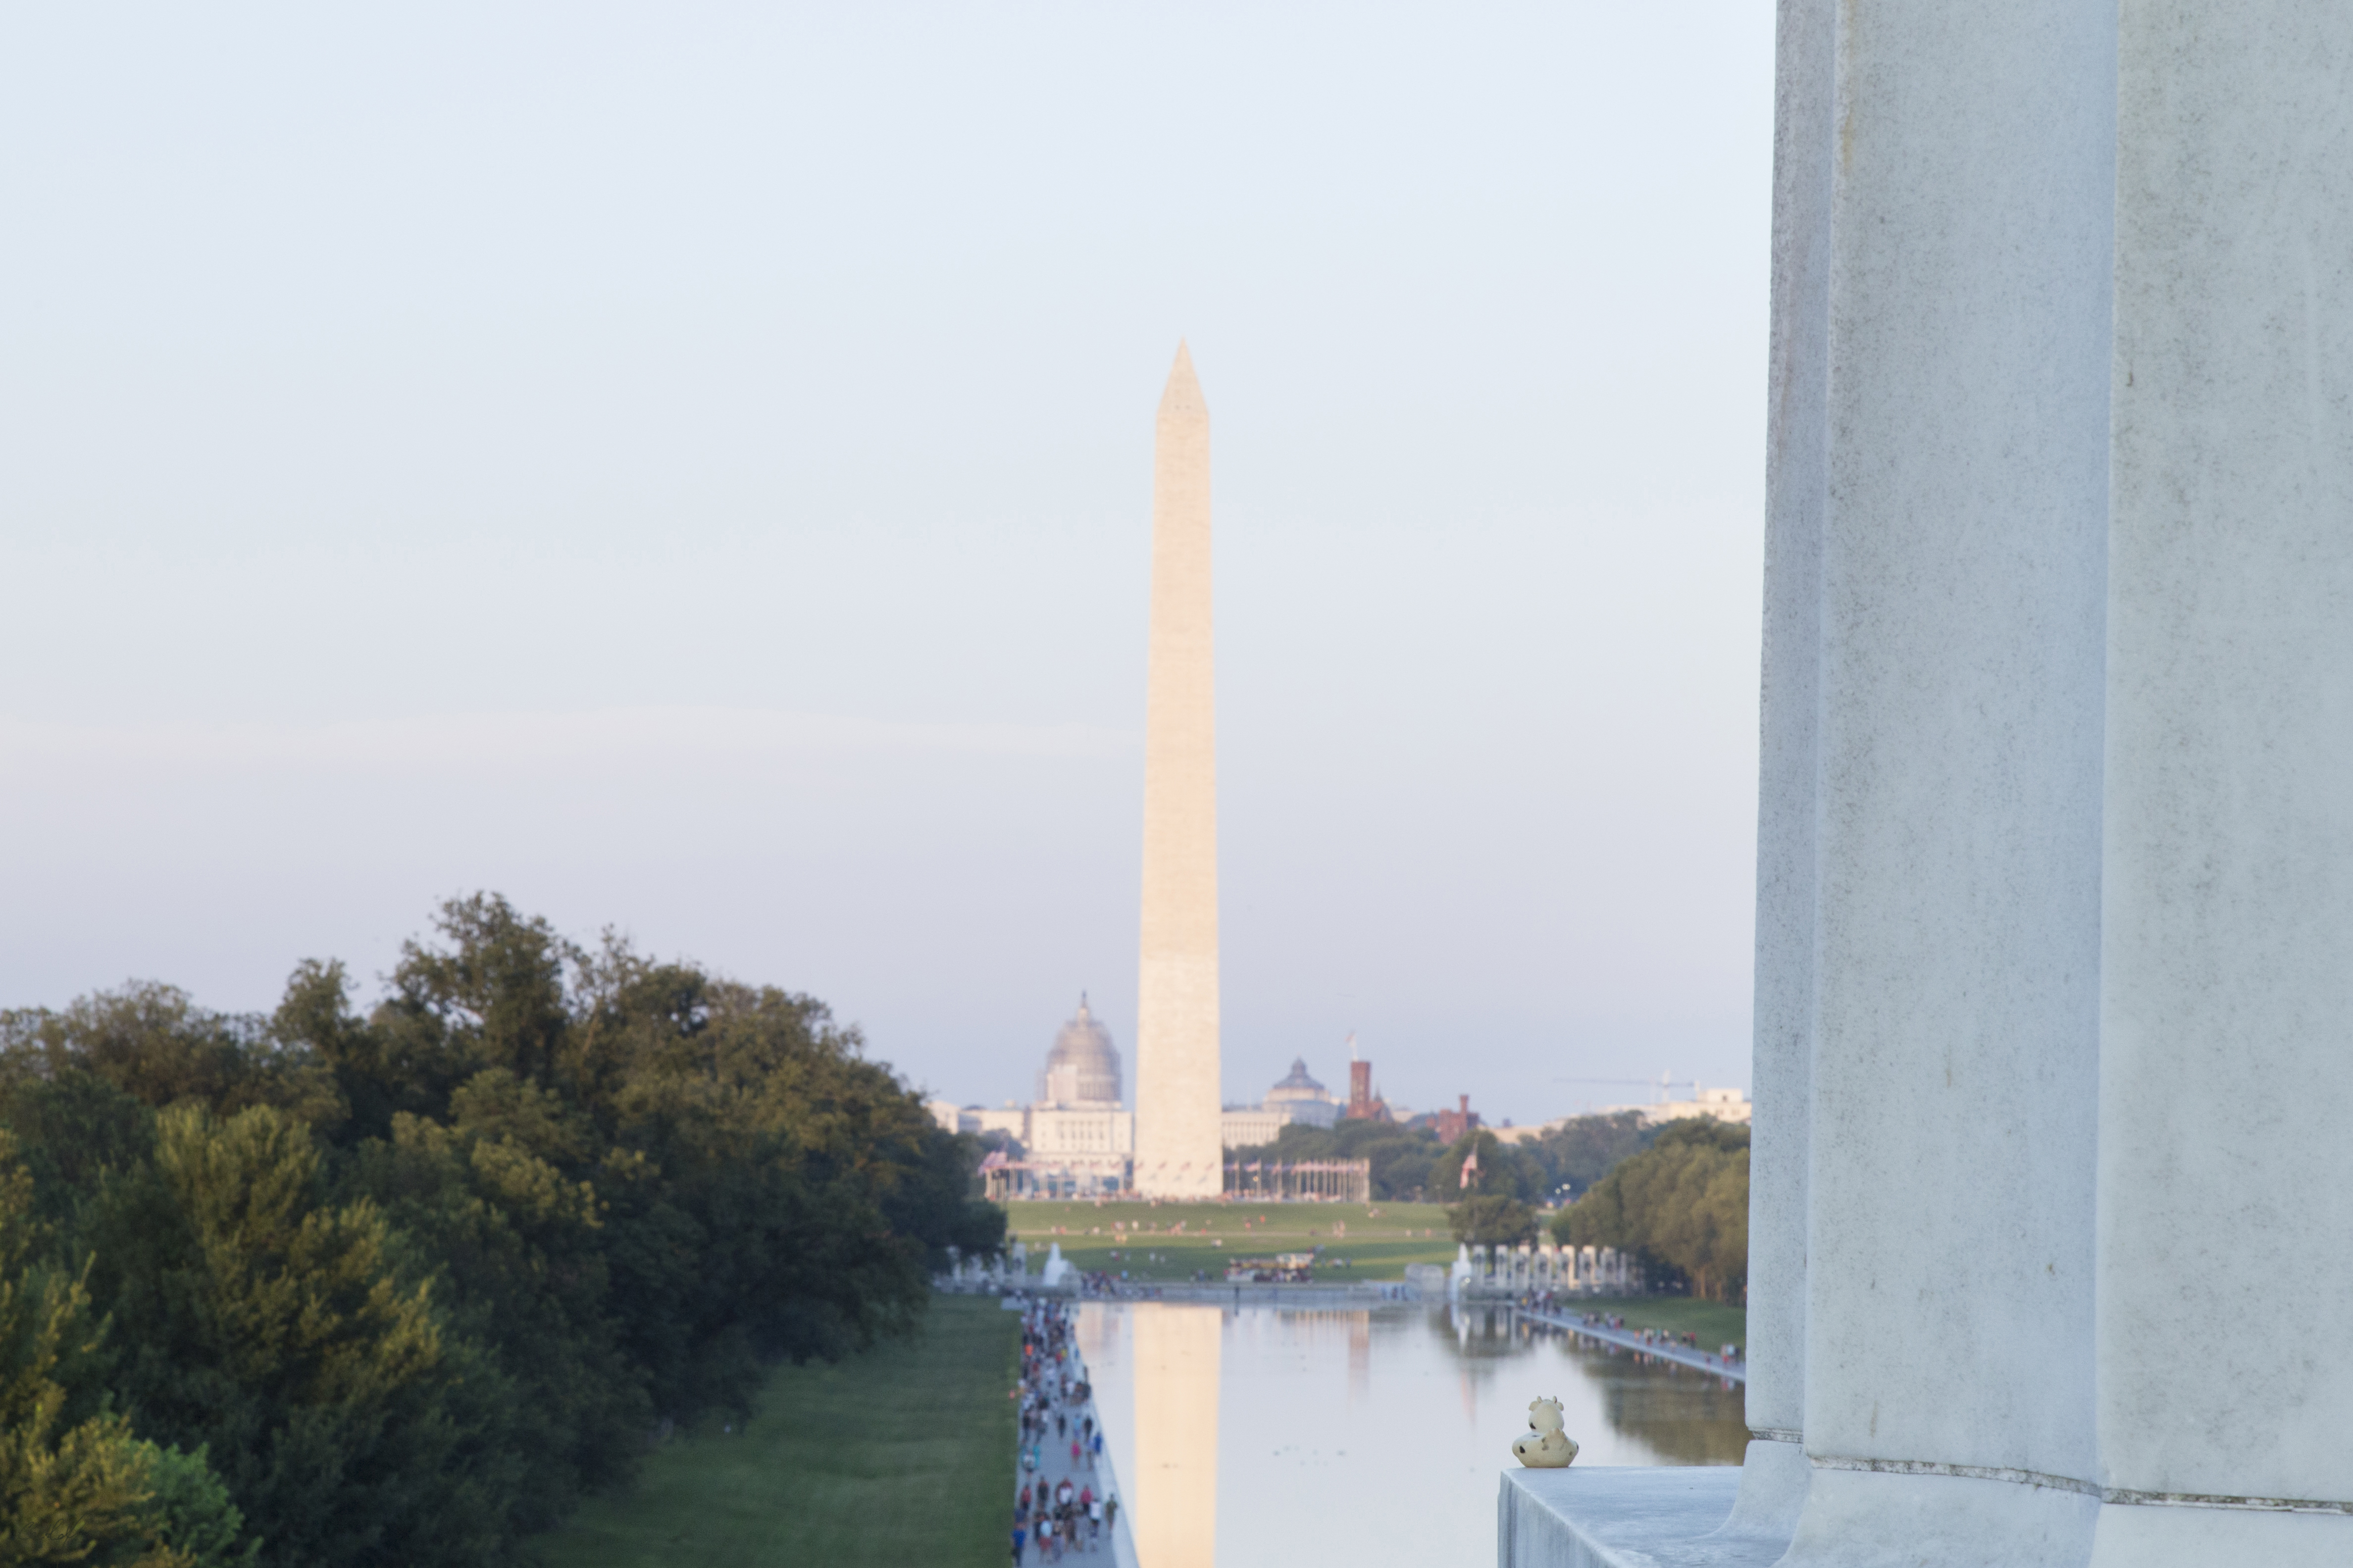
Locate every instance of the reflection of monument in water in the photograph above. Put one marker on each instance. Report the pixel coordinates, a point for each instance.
(1176, 1484)
(1179, 1152)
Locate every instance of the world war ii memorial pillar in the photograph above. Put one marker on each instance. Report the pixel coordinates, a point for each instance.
(2054, 1024)
(1179, 1152)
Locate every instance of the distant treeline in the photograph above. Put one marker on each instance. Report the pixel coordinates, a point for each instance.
(1676, 1196)
(1409, 1165)
(1681, 1206)
(318, 1288)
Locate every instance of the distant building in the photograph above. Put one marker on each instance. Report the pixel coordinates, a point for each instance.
(1717, 1104)
(1076, 1136)
(1297, 1098)
(1083, 1068)
(1008, 1118)
(1080, 1138)
(1365, 1102)
(1452, 1124)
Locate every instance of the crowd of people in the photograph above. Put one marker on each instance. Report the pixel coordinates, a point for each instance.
(1065, 1513)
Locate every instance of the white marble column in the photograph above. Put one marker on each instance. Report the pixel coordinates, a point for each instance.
(1948, 1398)
(1773, 1478)
(2054, 1006)
(2226, 1173)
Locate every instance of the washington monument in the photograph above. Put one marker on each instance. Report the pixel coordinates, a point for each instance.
(1179, 1152)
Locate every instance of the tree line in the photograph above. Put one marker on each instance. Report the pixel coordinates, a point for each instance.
(1675, 1196)
(1681, 1205)
(1409, 1165)
(319, 1288)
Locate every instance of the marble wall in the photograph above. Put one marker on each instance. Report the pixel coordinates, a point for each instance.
(2055, 876)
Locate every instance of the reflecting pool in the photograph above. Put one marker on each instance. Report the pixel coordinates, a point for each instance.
(1268, 1438)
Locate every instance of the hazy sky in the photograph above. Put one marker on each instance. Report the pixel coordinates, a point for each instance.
(688, 468)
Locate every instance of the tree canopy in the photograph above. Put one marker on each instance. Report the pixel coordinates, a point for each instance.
(326, 1288)
(1400, 1156)
(1582, 1150)
(1681, 1206)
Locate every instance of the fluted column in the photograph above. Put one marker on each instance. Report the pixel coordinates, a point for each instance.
(1953, 1088)
(2226, 1177)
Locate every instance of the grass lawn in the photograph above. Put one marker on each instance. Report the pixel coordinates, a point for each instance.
(1377, 1239)
(1716, 1325)
(903, 1455)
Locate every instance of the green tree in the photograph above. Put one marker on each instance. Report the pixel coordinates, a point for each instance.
(520, 1250)
(1493, 1220)
(403, 1286)
(1584, 1149)
(192, 1510)
(1504, 1169)
(1682, 1205)
(76, 1487)
(1400, 1156)
(278, 1332)
(156, 1045)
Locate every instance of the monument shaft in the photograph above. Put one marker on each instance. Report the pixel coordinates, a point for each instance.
(1178, 1149)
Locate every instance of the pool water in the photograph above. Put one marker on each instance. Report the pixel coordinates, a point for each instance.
(1263, 1438)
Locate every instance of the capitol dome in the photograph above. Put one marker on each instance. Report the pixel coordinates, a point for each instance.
(1083, 1067)
(1298, 1086)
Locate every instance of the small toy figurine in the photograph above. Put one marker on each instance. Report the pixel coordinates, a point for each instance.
(1550, 1448)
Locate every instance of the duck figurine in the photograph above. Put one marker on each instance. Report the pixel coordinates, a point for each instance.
(1548, 1448)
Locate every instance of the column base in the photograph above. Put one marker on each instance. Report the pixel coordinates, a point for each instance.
(2164, 1536)
(1883, 1520)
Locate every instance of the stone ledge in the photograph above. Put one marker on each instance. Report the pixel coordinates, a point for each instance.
(1605, 1517)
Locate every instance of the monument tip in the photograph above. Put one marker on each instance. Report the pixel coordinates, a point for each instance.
(1183, 394)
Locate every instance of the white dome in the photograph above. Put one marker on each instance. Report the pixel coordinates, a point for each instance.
(1083, 1067)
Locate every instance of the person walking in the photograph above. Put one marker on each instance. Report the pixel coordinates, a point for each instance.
(1019, 1537)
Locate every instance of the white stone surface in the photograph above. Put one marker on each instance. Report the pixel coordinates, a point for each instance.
(1795, 496)
(2226, 1175)
(1608, 1516)
(1878, 1520)
(1178, 1150)
(1954, 1074)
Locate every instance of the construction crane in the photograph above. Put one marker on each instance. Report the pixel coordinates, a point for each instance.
(1666, 1083)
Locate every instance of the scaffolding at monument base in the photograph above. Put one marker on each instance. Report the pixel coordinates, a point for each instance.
(1311, 1181)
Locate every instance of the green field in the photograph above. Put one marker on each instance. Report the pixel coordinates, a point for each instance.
(1377, 1239)
(903, 1455)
